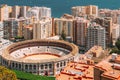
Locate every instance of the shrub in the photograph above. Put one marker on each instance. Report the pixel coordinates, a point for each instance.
(6, 74)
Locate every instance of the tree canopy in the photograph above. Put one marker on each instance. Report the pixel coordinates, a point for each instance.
(63, 35)
(116, 49)
(6, 74)
(117, 44)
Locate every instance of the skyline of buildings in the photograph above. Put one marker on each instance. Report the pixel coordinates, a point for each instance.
(72, 25)
(93, 30)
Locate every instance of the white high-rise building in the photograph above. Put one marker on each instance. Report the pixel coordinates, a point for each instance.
(44, 12)
(77, 10)
(95, 36)
(33, 13)
(4, 12)
(42, 29)
(38, 12)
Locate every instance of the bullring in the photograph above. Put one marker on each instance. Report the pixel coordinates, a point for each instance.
(39, 56)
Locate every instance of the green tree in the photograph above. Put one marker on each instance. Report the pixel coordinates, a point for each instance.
(114, 50)
(117, 44)
(6, 74)
(19, 37)
(63, 35)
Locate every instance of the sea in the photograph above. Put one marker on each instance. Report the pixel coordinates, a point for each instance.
(59, 7)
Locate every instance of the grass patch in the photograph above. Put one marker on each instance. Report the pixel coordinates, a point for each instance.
(28, 76)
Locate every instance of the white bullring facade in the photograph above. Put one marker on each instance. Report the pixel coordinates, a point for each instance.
(39, 56)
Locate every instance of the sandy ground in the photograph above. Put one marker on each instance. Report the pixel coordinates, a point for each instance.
(41, 57)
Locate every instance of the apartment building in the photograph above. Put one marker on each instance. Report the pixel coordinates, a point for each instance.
(95, 36)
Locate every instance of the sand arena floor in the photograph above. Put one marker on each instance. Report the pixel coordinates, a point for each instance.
(41, 56)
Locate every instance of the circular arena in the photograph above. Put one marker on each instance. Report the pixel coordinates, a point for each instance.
(41, 57)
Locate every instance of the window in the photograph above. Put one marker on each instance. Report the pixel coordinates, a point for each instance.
(13, 65)
(64, 63)
(30, 67)
(16, 65)
(19, 66)
(58, 65)
(42, 66)
(34, 66)
(26, 66)
(50, 66)
(61, 64)
(46, 66)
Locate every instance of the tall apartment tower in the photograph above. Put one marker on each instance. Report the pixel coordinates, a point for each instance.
(92, 10)
(28, 32)
(118, 19)
(4, 12)
(14, 27)
(44, 12)
(80, 29)
(23, 10)
(10, 28)
(88, 10)
(23, 22)
(42, 29)
(63, 24)
(15, 12)
(115, 33)
(108, 25)
(77, 10)
(95, 36)
(38, 12)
